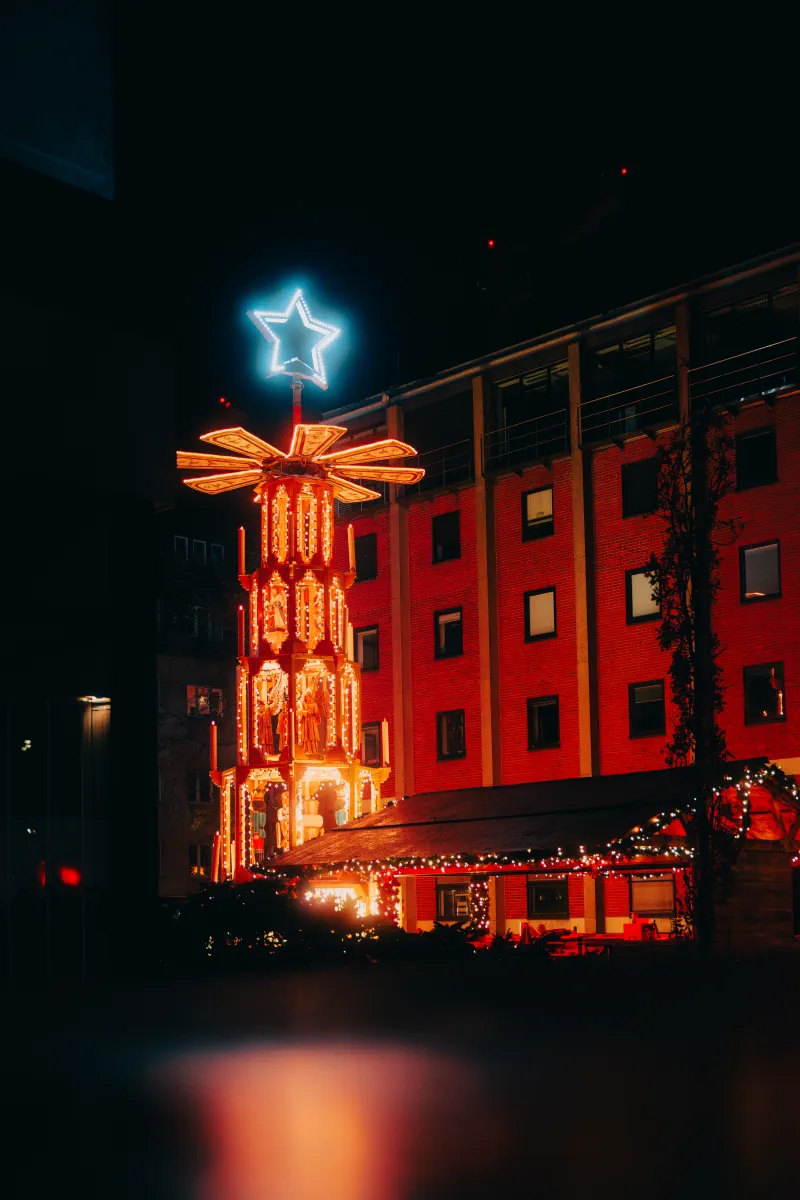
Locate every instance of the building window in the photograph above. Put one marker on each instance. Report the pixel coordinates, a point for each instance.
(366, 641)
(200, 623)
(537, 514)
(181, 548)
(640, 488)
(653, 897)
(639, 603)
(199, 553)
(764, 693)
(760, 571)
(446, 536)
(204, 701)
(540, 614)
(450, 740)
(452, 901)
(371, 744)
(197, 787)
(543, 724)
(646, 708)
(447, 632)
(548, 898)
(199, 860)
(366, 557)
(756, 459)
(217, 555)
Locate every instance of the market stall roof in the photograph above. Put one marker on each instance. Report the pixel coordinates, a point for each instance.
(533, 819)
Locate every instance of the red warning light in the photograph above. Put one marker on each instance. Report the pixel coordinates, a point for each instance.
(624, 171)
(224, 402)
(70, 876)
(490, 243)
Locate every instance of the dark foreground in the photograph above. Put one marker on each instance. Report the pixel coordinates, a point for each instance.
(656, 1076)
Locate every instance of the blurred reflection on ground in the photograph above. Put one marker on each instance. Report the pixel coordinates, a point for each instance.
(571, 1078)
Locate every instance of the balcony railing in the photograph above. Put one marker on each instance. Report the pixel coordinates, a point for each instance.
(347, 512)
(536, 440)
(755, 374)
(617, 415)
(444, 467)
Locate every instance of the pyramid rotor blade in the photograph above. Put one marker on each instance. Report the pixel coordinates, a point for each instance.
(369, 453)
(309, 441)
(243, 442)
(387, 474)
(351, 493)
(188, 460)
(212, 484)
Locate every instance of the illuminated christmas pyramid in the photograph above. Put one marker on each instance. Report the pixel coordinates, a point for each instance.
(298, 702)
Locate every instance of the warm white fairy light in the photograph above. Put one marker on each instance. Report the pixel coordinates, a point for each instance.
(327, 525)
(306, 523)
(280, 523)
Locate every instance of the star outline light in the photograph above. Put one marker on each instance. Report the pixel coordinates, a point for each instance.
(265, 320)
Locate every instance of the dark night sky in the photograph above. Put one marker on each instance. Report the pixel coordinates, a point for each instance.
(373, 168)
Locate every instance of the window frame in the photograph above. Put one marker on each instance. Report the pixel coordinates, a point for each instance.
(444, 612)
(361, 537)
(184, 556)
(629, 617)
(447, 712)
(744, 598)
(654, 913)
(749, 435)
(641, 683)
(456, 512)
(362, 629)
(532, 700)
(204, 561)
(780, 719)
(530, 908)
(540, 637)
(220, 546)
(652, 458)
(441, 889)
(532, 533)
(376, 726)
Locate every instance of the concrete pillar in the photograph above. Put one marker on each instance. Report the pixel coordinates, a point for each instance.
(491, 768)
(402, 713)
(594, 904)
(584, 584)
(684, 358)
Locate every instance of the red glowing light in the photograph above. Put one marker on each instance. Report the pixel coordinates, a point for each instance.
(225, 403)
(70, 876)
(624, 171)
(490, 243)
(41, 875)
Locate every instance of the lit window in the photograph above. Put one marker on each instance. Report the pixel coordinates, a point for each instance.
(204, 701)
(640, 487)
(446, 536)
(537, 514)
(450, 738)
(764, 693)
(548, 898)
(199, 553)
(217, 555)
(447, 632)
(540, 614)
(640, 605)
(760, 568)
(452, 901)
(756, 458)
(646, 708)
(653, 897)
(181, 546)
(371, 744)
(366, 557)
(366, 643)
(543, 724)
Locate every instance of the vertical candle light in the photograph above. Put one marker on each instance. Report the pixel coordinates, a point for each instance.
(242, 650)
(212, 746)
(351, 546)
(241, 551)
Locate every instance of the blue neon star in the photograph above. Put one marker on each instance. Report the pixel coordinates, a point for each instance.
(292, 342)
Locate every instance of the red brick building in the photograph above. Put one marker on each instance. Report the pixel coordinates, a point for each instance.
(510, 636)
